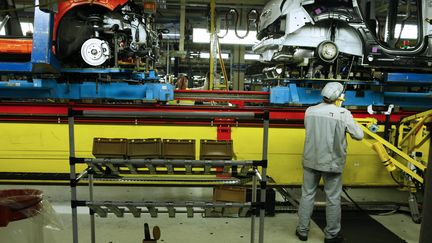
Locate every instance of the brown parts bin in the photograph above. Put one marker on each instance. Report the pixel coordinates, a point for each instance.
(229, 194)
(109, 147)
(216, 149)
(178, 149)
(149, 148)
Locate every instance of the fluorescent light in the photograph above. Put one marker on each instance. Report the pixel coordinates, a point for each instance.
(409, 32)
(206, 55)
(25, 27)
(201, 35)
(171, 36)
(252, 57)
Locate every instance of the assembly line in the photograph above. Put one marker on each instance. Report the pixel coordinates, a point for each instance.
(223, 109)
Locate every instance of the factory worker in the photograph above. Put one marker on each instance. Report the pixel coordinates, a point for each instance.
(182, 82)
(324, 157)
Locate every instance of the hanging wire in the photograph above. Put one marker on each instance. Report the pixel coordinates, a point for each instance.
(252, 17)
(404, 20)
(226, 25)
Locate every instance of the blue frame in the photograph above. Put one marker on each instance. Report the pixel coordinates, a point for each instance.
(293, 94)
(42, 58)
(43, 61)
(406, 78)
(51, 89)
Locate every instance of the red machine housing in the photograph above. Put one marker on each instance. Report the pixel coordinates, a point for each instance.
(24, 46)
(66, 6)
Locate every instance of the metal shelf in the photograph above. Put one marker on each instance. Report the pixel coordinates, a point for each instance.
(103, 167)
(166, 181)
(119, 209)
(161, 166)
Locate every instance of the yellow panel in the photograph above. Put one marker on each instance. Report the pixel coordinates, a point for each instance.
(44, 148)
(285, 155)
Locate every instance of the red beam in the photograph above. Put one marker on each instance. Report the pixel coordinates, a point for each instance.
(36, 111)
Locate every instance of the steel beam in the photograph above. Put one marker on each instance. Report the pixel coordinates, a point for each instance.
(425, 232)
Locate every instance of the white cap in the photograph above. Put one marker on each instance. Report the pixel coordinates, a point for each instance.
(332, 91)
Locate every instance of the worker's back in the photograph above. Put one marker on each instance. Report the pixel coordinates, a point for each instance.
(325, 144)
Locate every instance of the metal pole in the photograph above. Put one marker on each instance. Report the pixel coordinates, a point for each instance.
(182, 26)
(212, 42)
(73, 179)
(425, 232)
(92, 214)
(264, 175)
(168, 60)
(254, 199)
(186, 115)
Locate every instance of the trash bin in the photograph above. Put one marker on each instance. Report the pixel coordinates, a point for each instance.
(19, 204)
(24, 215)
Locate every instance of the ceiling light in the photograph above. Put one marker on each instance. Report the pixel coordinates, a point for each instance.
(409, 31)
(254, 57)
(201, 35)
(206, 55)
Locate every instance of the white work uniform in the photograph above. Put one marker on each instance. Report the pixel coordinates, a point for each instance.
(324, 156)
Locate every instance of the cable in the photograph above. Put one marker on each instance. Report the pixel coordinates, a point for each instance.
(364, 211)
(397, 182)
(408, 10)
(401, 184)
(350, 68)
(352, 200)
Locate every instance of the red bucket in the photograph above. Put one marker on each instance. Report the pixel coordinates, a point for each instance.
(19, 204)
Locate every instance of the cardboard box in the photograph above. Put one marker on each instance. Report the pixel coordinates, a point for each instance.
(228, 194)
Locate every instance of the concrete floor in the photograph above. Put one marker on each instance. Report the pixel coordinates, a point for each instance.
(179, 229)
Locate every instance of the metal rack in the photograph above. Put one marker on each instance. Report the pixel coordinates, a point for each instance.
(101, 167)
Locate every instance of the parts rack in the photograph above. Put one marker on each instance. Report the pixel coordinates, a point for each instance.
(101, 167)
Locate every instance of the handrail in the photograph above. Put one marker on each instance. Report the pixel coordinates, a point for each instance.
(397, 163)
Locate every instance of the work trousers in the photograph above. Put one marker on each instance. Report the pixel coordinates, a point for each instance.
(333, 189)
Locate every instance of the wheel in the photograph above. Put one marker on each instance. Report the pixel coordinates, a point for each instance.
(327, 51)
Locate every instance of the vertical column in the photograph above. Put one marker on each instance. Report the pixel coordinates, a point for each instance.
(389, 37)
(254, 199)
(42, 57)
(12, 26)
(238, 67)
(73, 176)
(182, 26)
(212, 43)
(168, 60)
(425, 232)
(92, 213)
(263, 187)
